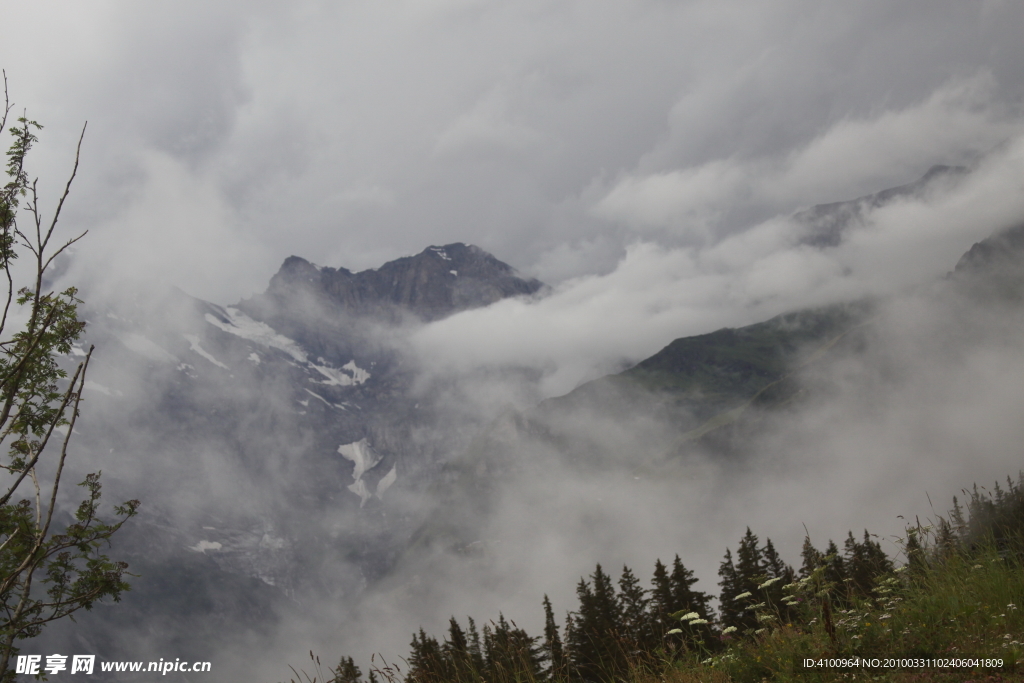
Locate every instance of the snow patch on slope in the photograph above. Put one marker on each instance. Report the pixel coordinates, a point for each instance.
(337, 378)
(203, 546)
(363, 458)
(385, 483)
(193, 342)
(317, 396)
(241, 325)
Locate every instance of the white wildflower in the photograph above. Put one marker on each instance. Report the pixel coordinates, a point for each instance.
(748, 594)
(729, 629)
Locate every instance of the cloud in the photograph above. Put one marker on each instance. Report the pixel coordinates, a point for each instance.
(485, 125)
(506, 126)
(589, 325)
(955, 124)
(174, 225)
(689, 200)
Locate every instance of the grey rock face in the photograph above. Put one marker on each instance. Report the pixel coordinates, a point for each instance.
(433, 284)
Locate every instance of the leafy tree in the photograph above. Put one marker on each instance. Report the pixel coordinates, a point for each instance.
(48, 570)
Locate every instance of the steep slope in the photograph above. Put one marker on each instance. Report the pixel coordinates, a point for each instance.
(276, 444)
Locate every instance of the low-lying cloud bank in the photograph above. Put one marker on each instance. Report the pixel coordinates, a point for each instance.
(590, 325)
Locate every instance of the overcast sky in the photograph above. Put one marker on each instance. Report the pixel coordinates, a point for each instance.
(634, 154)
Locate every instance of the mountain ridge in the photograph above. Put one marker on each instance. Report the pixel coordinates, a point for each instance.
(435, 283)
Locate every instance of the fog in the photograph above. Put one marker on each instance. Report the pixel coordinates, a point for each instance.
(891, 432)
(647, 162)
(501, 498)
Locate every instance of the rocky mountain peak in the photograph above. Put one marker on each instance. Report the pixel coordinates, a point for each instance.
(433, 284)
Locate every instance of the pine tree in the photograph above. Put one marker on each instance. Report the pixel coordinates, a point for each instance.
(558, 664)
(347, 672)
(476, 653)
(510, 653)
(594, 646)
(731, 607)
(864, 562)
(749, 562)
(754, 565)
(835, 567)
(426, 660)
(685, 599)
(683, 596)
(661, 600)
(774, 568)
(605, 602)
(457, 655)
(637, 631)
(811, 556)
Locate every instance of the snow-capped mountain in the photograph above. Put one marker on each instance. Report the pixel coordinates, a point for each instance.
(276, 442)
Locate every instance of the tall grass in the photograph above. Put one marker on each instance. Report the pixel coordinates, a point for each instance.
(966, 605)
